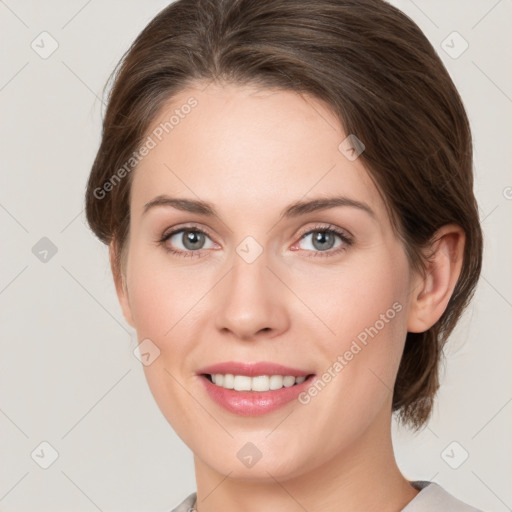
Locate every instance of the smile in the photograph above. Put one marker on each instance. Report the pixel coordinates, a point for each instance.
(257, 383)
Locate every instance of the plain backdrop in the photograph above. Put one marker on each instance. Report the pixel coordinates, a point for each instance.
(68, 375)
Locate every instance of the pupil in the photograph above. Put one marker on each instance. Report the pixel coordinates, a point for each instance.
(192, 239)
(321, 237)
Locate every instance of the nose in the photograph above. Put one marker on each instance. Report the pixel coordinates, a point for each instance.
(251, 302)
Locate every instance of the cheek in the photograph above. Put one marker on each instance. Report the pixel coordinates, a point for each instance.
(162, 301)
(359, 296)
(363, 313)
(159, 294)
(371, 307)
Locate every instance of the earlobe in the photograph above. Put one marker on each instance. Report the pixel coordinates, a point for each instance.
(120, 285)
(431, 292)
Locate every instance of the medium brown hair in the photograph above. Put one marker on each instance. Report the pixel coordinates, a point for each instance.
(379, 75)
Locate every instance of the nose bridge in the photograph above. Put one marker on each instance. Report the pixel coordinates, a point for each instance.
(249, 301)
(249, 275)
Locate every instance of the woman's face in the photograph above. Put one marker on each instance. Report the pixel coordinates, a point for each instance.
(264, 286)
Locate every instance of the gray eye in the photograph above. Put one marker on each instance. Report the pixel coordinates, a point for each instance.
(189, 239)
(321, 240)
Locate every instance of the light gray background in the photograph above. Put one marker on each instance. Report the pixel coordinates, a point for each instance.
(67, 372)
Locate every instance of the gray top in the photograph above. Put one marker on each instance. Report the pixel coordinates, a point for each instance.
(432, 497)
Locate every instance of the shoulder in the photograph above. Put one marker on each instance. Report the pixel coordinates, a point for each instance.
(187, 505)
(432, 497)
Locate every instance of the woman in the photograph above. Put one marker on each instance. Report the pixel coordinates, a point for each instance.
(239, 138)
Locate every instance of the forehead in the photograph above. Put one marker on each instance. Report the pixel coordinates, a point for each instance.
(243, 146)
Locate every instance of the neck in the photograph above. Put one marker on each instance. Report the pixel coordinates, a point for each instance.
(364, 476)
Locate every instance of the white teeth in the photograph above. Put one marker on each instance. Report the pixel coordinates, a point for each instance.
(258, 383)
(276, 382)
(242, 383)
(288, 381)
(229, 381)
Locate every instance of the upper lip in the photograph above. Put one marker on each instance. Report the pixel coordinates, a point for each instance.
(252, 369)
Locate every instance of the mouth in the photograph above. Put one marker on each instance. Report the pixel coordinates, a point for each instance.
(255, 388)
(257, 383)
(254, 395)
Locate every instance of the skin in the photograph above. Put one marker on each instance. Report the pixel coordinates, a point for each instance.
(251, 153)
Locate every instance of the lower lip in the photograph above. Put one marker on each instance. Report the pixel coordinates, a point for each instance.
(253, 403)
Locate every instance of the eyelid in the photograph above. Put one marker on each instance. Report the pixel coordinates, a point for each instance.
(179, 227)
(325, 226)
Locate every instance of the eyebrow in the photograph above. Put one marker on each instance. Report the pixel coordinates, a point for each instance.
(293, 210)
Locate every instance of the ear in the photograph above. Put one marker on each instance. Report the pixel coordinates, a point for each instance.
(432, 291)
(120, 284)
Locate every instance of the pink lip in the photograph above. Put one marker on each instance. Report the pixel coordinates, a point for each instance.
(253, 369)
(253, 403)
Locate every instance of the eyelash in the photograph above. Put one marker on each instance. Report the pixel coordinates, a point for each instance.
(345, 238)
